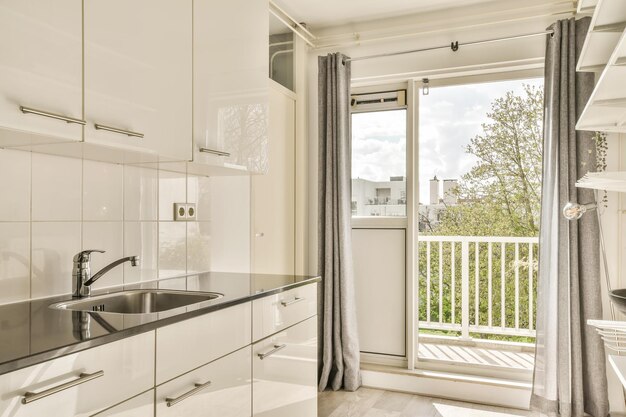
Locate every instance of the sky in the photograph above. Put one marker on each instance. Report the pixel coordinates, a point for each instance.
(448, 118)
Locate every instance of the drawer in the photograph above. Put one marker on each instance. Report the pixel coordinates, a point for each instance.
(139, 406)
(274, 313)
(118, 371)
(189, 344)
(226, 393)
(284, 372)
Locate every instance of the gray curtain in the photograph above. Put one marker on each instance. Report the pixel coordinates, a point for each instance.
(339, 343)
(570, 375)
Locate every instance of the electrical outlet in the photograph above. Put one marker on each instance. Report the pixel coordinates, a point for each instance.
(191, 211)
(180, 212)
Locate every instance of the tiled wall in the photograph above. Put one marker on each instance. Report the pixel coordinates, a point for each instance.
(52, 207)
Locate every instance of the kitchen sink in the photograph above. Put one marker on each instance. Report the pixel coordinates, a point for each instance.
(137, 301)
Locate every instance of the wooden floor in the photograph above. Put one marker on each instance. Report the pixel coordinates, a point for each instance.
(367, 402)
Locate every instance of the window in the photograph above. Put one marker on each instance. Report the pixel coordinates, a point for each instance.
(379, 154)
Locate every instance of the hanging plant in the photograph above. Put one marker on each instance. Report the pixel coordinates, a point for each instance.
(601, 150)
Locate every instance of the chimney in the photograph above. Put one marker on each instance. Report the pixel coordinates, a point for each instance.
(434, 191)
(449, 194)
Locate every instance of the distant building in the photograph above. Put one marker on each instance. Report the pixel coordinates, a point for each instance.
(379, 198)
(430, 214)
(388, 198)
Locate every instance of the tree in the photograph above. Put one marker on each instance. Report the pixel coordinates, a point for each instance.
(501, 194)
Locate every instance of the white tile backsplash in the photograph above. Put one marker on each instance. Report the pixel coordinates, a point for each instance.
(141, 239)
(15, 185)
(14, 261)
(172, 189)
(172, 249)
(54, 244)
(103, 191)
(54, 206)
(141, 187)
(107, 236)
(56, 188)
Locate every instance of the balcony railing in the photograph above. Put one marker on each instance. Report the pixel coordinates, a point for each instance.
(475, 286)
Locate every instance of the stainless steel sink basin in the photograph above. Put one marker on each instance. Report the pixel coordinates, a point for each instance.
(138, 301)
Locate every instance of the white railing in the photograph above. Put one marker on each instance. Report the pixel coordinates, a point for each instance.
(497, 278)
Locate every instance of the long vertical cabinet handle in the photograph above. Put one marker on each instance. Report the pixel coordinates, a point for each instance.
(170, 402)
(67, 119)
(29, 397)
(271, 352)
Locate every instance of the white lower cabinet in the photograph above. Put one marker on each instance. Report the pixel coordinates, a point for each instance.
(191, 343)
(139, 406)
(220, 389)
(82, 383)
(284, 371)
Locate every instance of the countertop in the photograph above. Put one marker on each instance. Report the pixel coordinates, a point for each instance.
(31, 332)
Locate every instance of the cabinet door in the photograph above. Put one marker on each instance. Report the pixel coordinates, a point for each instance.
(138, 75)
(231, 83)
(188, 344)
(139, 406)
(97, 378)
(273, 194)
(285, 373)
(219, 389)
(40, 68)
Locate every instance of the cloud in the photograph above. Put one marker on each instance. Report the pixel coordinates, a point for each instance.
(448, 118)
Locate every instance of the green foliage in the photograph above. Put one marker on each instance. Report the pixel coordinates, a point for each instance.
(499, 196)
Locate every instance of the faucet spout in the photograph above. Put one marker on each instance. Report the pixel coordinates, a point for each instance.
(133, 262)
(81, 274)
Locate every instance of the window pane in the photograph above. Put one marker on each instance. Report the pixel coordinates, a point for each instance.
(379, 163)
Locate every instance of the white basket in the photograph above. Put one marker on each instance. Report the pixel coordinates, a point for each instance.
(613, 333)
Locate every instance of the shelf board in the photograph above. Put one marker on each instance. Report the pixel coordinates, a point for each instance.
(606, 109)
(607, 24)
(586, 6)
(607, 181)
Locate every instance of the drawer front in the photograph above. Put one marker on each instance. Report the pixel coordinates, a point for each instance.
(127, 369)
(139, 406)
(226, 393)
(277, 312)
(189, 344)
(284, 373)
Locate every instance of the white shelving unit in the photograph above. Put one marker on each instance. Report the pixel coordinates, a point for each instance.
(606, 109)
(586, 6)
(607, 24)
(607, 181)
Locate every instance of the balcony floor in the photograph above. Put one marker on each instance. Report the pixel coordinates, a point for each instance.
(451, 351)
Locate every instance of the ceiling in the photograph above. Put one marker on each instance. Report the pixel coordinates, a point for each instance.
(324, 13)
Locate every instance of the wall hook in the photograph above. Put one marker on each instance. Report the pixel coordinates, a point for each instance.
(454, 46)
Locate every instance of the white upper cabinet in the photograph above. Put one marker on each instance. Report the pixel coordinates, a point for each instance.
(138, 75)
(231, 96)
(40, 68)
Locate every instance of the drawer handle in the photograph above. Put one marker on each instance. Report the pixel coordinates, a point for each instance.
(29, 110)
(271, 352)
(199, 387)
(120, 131)
(29, 397)
(214, 152)
(295, 300)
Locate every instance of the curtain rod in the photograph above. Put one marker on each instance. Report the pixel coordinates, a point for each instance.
(453, 45)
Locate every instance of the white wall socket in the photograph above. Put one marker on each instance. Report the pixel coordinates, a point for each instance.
(184, 212)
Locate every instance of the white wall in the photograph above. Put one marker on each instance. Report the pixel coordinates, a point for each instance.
(53, 207)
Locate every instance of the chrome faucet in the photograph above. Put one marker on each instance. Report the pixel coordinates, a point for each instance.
(81, 274)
